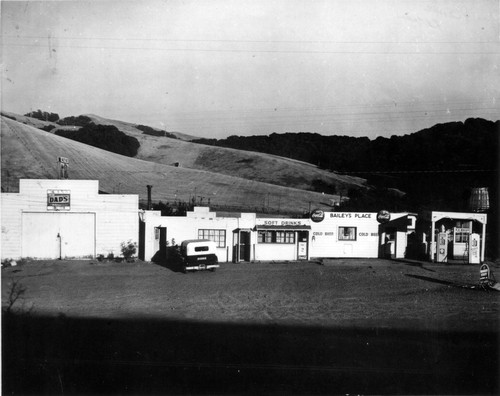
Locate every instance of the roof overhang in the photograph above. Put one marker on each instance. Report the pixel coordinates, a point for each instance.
(436, 216)
(282, 227)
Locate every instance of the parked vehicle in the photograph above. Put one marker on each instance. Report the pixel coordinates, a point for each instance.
(198, 255)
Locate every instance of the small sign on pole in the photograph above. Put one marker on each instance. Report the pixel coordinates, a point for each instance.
(63, 164)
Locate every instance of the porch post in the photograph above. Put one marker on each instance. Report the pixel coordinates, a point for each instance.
(433, 242)
(483, 242)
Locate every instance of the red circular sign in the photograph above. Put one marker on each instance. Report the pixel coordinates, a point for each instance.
(317, 215)
(383, 216)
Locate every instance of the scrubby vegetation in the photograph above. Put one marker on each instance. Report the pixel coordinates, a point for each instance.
(106, 137)
(43, 115)
(47, 128)
(155, 132)
(80, 120)
(435, 166)
(473, 143)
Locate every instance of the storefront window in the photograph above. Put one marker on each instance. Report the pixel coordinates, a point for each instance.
(218, 236)
(280, 237)
(347, 233)
(276, 237)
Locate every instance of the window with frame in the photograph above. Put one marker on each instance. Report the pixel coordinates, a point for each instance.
(347, 233)
(276, 237)
(461, 237)
(218, 236)
(264, 237)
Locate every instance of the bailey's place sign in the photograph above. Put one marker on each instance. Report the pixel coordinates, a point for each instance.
(58, 200)
(351, 215)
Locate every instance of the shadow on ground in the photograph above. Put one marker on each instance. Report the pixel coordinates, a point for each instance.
(169, 259)
(445, 282)
(413, 263)
(43, 355)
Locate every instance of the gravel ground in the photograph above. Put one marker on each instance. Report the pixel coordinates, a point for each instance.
(344, 327)
(368, 292)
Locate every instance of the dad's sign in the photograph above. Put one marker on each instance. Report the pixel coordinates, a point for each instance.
(58, 200)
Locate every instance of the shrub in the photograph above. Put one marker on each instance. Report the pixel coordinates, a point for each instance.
(47, 128)
(43, 115)
(80, 120)
(155, 132)
(106, 137)
(129, 248)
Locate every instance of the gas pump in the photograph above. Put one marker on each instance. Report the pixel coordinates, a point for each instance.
(442, 248)
(474, 250)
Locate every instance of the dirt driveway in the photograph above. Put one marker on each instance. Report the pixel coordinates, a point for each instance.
(348, 326)
(368, 292)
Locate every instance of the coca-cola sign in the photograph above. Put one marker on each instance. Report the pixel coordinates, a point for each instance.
(383, 216)
(317, 215)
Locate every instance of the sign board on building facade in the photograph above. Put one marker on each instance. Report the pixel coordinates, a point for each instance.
(317, 215)
(383, 216)
(58, 199)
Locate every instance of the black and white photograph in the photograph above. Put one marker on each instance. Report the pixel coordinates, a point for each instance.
(227, 197)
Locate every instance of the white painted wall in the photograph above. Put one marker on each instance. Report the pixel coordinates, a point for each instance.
(28, 230)
(323, 237)
(276, 251)
(183, 228)
(325, 240)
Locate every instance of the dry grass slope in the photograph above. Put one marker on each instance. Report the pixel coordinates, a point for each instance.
(246, 164)
(28, 152)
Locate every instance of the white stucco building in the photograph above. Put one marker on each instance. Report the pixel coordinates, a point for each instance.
(251, 238)
(50, 219)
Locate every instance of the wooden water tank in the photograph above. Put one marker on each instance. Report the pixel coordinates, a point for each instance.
(479, 199)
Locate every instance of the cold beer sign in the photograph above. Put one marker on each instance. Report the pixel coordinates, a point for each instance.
(58, 199)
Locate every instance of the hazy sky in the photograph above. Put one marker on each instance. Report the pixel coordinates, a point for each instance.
(219, 68)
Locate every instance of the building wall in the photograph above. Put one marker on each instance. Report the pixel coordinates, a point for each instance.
(275, 251)
(325, 240)
(179, 229)
(29, 225)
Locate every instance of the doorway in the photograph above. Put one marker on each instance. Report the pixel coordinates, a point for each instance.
(160, 245)
(302, 245)
(58, 235)
(244, 246)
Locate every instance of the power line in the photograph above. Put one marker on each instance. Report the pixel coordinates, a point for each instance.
(152, 39)
(265, 51)
(396, 106)
(277, 115)
(418, 171)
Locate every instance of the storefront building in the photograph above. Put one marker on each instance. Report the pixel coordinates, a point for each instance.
(359, 235)
(242, 238)
(66, 219)
(250, 238)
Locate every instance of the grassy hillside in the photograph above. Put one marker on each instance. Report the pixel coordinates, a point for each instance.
(28, 152)
(249, 165)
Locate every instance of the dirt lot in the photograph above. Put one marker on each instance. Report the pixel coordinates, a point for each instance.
(347, 326)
